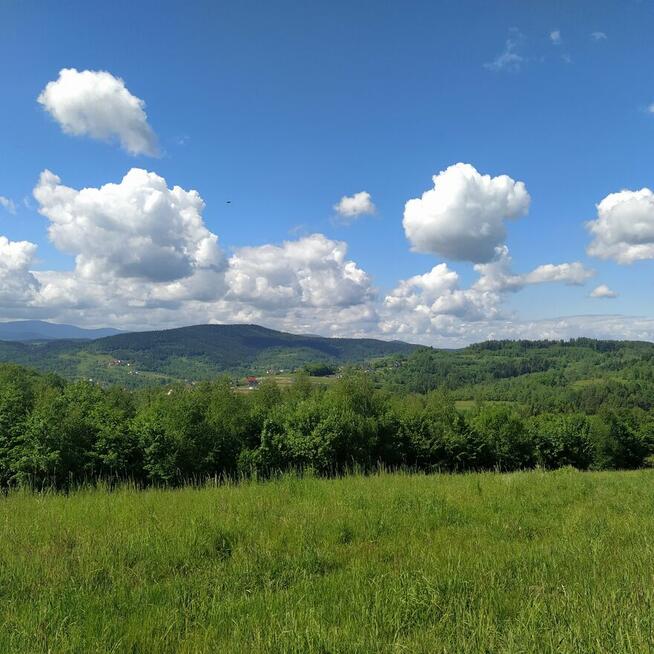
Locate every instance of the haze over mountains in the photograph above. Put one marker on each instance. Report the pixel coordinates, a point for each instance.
(39, 330)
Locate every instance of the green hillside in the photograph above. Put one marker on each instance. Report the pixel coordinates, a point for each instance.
(547, 375)
(192, 353)
(550, 375)
(580, 374)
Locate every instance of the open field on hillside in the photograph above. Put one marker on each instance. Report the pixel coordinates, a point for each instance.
(284, 381)
(522, 562)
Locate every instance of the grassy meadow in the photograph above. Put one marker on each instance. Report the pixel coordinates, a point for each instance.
(523, 562)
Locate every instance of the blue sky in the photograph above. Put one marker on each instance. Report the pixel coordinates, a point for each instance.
(283, 108)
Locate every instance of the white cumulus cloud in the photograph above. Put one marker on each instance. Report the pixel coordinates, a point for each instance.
(432, 302)
(419, 303)
(99, 105)
(138, 228)
(306, 285)
(555, 37)
(573, 274)
(462, 217)
(311, 271)
(603, 291)
(497, 275)
(144, 258)
(351, 207)
(624, 228)
(18, 286)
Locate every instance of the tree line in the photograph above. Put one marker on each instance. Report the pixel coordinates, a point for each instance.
(55, 433)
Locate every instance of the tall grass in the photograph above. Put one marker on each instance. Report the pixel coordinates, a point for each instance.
(524, 562)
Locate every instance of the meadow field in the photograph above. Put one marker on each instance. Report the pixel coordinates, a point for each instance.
(523, 562)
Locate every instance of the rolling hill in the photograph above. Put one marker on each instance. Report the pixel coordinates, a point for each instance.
(191, 353)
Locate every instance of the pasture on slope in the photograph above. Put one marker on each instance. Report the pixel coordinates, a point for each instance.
(523, 562)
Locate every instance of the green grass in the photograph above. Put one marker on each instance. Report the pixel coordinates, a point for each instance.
(525, 562)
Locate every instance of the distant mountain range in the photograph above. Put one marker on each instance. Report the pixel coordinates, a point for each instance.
(39, 330)
(188, 353)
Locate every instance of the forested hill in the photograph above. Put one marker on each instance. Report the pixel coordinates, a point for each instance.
(578, 372)
(581, 373)
(193, 353)
(504, 406)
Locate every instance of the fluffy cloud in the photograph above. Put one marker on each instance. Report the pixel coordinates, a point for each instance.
(304, 285)
(430, 303)
(137, 229)
(624, 228)
(603, 291)
(598, 36)
(312, 272)
(144, 258)
(18, 286)
(143, 255)
(422, 299)
(462, 217)
(350, 207)
(572, 274)
(432, 285)
(555, 37)
(133, 303)
(15, 255)
(497, 275)
(97, 104)
(8, 204)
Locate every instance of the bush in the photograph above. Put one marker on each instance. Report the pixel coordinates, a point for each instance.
(562, 440)
(58, 434)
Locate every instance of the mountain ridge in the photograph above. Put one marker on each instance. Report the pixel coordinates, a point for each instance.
(193, 353)
(41, 330)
